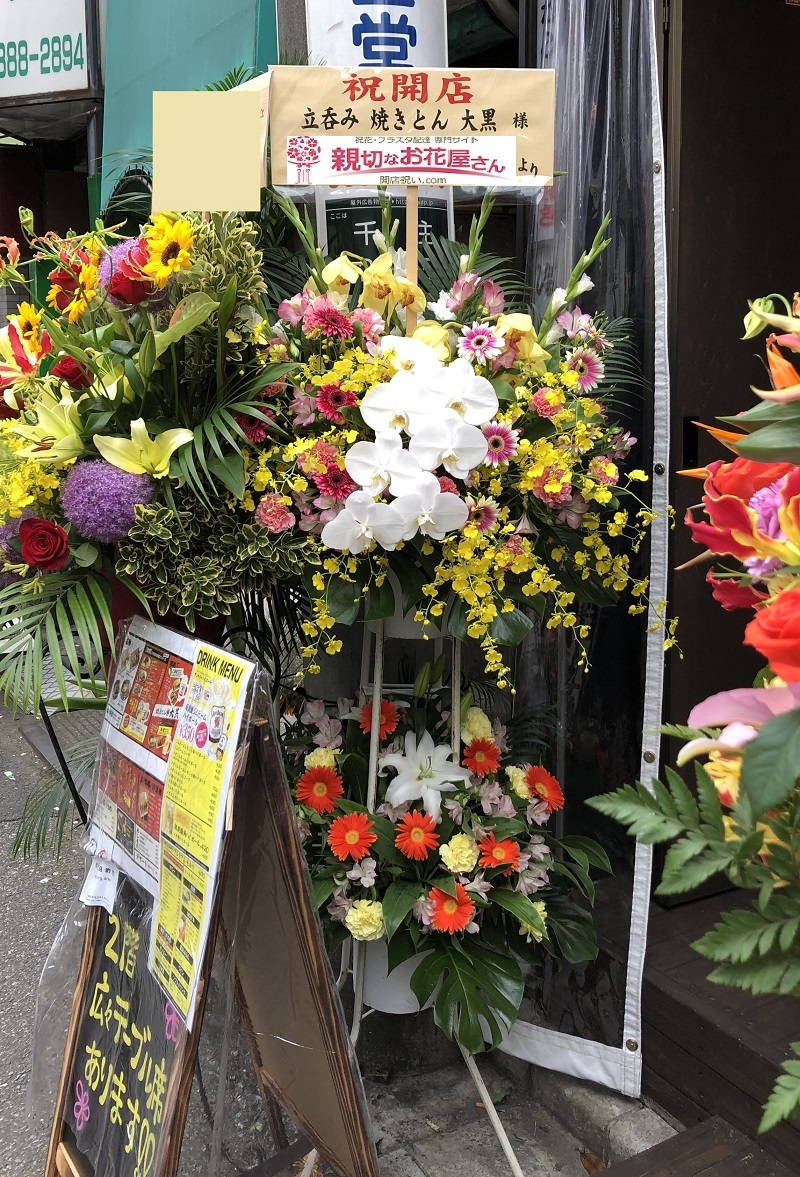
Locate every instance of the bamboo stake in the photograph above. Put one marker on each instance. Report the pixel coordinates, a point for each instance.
(412, 248)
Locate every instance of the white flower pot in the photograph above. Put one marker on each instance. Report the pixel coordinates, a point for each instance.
(391, 993)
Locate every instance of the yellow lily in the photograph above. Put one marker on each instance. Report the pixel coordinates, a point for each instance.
(56, 435)
(142, 454)
(519, 331)
(435, 336)
(341, 272)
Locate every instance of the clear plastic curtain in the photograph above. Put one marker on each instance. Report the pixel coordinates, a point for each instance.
(586, 1021)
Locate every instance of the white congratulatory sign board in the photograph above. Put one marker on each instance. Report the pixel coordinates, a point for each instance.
(369, 32)
(42, 47)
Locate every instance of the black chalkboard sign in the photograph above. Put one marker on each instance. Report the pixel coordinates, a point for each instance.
(125, 1046)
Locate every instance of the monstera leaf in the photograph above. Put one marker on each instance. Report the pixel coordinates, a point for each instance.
(479, 989)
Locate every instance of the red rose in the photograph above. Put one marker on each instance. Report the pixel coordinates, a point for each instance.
(129, 290)
(775, 633)
(43, 544)
(76, 375)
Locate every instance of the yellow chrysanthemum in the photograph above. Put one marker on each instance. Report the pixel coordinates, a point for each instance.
(169, 244)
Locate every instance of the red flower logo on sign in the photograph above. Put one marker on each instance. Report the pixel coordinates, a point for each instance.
(303, 151)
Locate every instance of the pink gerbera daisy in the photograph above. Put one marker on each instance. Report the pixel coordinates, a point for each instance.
(331, 399)
(254, 430)
(335, 483)
(590, 368)
(480, 344)
(482, 513)
(322, 317)
(502, 442)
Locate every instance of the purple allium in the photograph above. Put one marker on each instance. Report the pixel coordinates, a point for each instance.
(10, 530)
(99, 499)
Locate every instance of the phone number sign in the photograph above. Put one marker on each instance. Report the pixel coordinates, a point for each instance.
(42, 47)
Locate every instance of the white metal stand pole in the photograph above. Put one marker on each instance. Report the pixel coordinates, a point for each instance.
(491, 1112)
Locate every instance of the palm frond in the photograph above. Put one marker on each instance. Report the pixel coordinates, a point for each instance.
(233, 78)
(285, 273)
(529, 736)
(439, 266)
(48, 806)
(65, 618)
(624, 379)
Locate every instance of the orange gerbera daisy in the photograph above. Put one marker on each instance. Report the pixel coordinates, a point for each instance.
(543, 784)
(389, 718)
(494, 853)
(449, 914)
(416, 835)
(351, 836)
(481, 757)
(319, 788)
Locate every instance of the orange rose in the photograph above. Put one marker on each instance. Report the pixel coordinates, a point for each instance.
(775, 633)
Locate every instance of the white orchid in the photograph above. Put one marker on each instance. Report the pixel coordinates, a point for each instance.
(410, 355)
(471, 396)
(430, 510)
(400, 404)
(362, 521)
(424, 772)
(376, 465)
(449, 442)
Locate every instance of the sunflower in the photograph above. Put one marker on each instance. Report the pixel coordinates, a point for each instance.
(494, 853)
(169, 244)
(319, 788)
(389, 718)
(450, 914)
(351, 836)
(544, 785)
(416, 835)
(85, 292)
(481, 757)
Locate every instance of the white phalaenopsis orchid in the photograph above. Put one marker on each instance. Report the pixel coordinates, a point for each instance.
(449, 442)
(401, 404)
(459, 389)
(410, 355)
(424, 772)
(362, 521)
(431, 511)
(376, 465)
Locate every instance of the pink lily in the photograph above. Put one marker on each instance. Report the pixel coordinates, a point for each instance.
(745, 705)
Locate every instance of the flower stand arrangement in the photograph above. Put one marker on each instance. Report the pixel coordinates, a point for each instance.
(411, 448)
(744, 818)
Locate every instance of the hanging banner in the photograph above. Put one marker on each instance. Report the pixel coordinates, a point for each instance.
(346, 32)
(491, 128)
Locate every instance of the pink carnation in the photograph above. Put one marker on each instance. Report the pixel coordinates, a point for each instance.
(322, 316)
(372, 325)
(273, 514)
(541, 404)
(322, 453)
(553, 498)
(331, 398)
(447, 486)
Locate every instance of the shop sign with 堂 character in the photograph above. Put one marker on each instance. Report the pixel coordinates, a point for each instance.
(484, 127)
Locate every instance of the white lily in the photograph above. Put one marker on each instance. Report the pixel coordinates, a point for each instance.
(362, 521)
(449, 442)
(424, 772)
(376, 465)
(430, 510)
(471, 396)
(410, 355)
